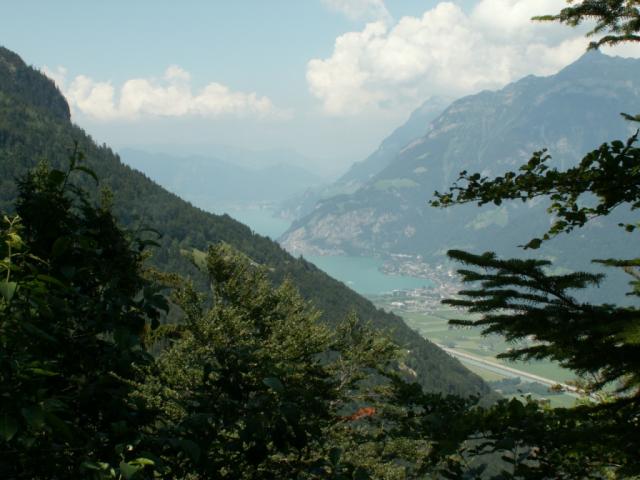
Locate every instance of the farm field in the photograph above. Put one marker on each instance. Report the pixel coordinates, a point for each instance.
(434, 326)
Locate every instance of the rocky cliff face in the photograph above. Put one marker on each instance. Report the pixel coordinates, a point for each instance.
(569, 113)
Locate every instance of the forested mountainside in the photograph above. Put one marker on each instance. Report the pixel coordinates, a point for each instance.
(491, 132)
(361, 172)
(35, 125)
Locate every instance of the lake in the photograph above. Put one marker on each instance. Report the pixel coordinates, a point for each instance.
(362, 274)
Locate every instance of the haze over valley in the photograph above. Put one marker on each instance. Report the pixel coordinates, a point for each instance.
(372, 227)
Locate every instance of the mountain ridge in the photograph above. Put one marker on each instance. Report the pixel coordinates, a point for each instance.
(29, 133)
(489, 132)
(209, 181)
(360, 172)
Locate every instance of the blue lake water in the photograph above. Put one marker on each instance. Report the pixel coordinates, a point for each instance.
(362, 274)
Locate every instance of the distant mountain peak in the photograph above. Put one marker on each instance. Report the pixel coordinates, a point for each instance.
(593, 62)
(570, 113)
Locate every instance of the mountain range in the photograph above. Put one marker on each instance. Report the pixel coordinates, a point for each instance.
(361, 172)
(570, 113)
(208, 181)
(35, 125)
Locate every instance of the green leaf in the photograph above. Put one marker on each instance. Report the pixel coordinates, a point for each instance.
(274, 384)
(32, 329)
(128, 470)
(190, 448)
(92, 466)
(334, 455)
(58, 426)
(7, 289)
(43, 372)
(50, 279)
(99, 467)
(8, 426)
(60, 246)
(534, 244)
(142, 461)
(361, 474)
(34, 416)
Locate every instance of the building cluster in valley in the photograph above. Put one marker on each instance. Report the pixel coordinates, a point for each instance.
(444, 284)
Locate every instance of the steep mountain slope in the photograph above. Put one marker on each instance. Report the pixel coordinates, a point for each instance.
(207, 181)
(36, 125)
(571, 113)
(413, 128)
(361, 172)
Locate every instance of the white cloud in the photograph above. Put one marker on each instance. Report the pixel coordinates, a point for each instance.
(360, 9)
(174, 72)
(170, 96)
(95, 99)
(445, 51)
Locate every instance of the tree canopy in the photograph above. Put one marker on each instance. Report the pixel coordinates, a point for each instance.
(96, 381)
(521, 298)
(616, 21)
(75, 308)
(244, 382)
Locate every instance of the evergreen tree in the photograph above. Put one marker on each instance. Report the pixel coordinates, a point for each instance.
(616, 20)
(520, 299)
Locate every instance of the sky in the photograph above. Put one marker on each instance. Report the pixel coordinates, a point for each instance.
(326, 78)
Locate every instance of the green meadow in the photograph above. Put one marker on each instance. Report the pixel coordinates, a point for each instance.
(434, 325)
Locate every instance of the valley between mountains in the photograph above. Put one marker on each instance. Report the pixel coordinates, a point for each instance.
(211, 267)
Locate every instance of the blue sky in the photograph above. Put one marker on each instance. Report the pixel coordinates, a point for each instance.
(328, 78)
(232, 40)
